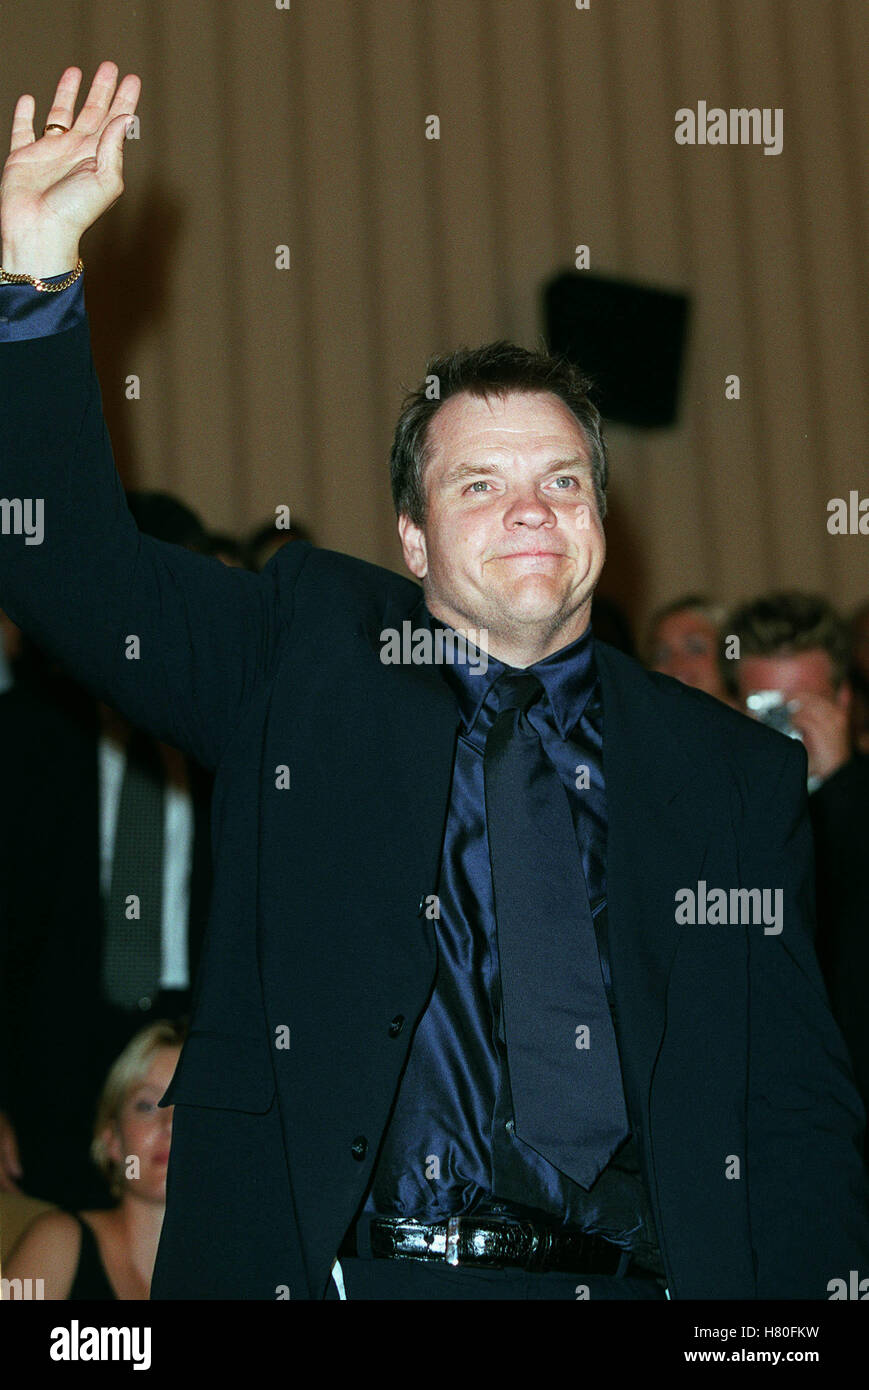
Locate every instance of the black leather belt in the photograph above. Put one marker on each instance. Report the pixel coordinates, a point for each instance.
(493, 1243)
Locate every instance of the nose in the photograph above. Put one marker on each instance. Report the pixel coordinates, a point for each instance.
(527, 508)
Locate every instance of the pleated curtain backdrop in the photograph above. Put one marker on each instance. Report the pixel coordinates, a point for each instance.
(305, 127)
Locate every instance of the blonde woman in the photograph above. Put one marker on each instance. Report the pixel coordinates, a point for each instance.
(110, 1254)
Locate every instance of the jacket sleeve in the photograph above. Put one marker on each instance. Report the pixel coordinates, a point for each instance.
(840, 821)
(176, 641)
(808, 1193)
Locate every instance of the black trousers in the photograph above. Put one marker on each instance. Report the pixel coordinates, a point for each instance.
(417, 1279)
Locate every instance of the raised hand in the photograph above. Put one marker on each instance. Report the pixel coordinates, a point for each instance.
(824, 725)
(53, 188)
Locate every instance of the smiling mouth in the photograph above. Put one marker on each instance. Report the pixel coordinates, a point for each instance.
(530, 554)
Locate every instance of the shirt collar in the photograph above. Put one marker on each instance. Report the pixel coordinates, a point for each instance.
(568, 676)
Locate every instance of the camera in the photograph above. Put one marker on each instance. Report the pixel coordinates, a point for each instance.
(772, 709)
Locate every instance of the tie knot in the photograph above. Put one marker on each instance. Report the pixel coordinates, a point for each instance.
(517, 690)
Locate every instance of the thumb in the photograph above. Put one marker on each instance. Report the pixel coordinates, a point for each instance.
(110, 150)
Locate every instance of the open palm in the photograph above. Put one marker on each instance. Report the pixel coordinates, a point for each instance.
(52, 189)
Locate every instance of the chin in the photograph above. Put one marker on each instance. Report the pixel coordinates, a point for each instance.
(150, 1188)
(533, 601)
(525, 617)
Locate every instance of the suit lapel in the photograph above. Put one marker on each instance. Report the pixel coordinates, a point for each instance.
(657, 842)
(428, 707)
(420, 720)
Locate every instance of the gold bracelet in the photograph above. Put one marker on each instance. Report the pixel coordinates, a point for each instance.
(70, 279)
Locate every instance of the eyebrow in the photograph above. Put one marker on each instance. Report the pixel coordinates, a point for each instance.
(465, 470)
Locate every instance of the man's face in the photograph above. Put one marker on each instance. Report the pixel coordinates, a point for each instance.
(793, 673)
(685, 646)
(512, 540)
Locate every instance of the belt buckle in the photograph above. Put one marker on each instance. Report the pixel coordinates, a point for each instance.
(478, 1254)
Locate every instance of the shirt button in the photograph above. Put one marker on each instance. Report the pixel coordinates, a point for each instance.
(510, 1126)
(145, 1003)
(396, 1025)
(359, 1147)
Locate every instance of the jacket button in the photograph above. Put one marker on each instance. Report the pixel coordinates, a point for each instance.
(396, 1025)
(359, 1147)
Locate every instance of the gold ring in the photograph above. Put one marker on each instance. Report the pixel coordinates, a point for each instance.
(54, 126)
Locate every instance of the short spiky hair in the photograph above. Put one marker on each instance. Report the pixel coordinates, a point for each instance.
(496, 369)
(783, 624)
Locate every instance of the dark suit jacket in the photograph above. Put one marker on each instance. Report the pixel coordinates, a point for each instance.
(51, 934)
(728, 1048)
(840, 821)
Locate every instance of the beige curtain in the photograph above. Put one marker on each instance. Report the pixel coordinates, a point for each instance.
(305, 127)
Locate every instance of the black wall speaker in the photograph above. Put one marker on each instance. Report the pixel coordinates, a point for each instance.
(628, 338)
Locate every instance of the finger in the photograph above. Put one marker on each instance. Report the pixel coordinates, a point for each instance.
(802, 708)
(110, 150)
(95, 109)
(817, 737)
(804, 714)
(815, 716)
(22, 123)
(63, 106)
(126, 97)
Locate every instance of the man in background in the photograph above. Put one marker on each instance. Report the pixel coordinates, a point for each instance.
(797, 646)
(683, 643)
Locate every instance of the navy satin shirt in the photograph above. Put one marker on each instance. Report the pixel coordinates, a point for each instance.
(26, 312)
(449, 1148)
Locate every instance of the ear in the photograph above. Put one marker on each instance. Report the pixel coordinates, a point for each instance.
(112, 1141)
(413, 546)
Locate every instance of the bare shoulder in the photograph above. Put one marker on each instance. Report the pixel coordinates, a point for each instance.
(48, 1250)
(56, 1226)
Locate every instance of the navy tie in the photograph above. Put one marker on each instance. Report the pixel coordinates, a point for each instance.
(562, 1055)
